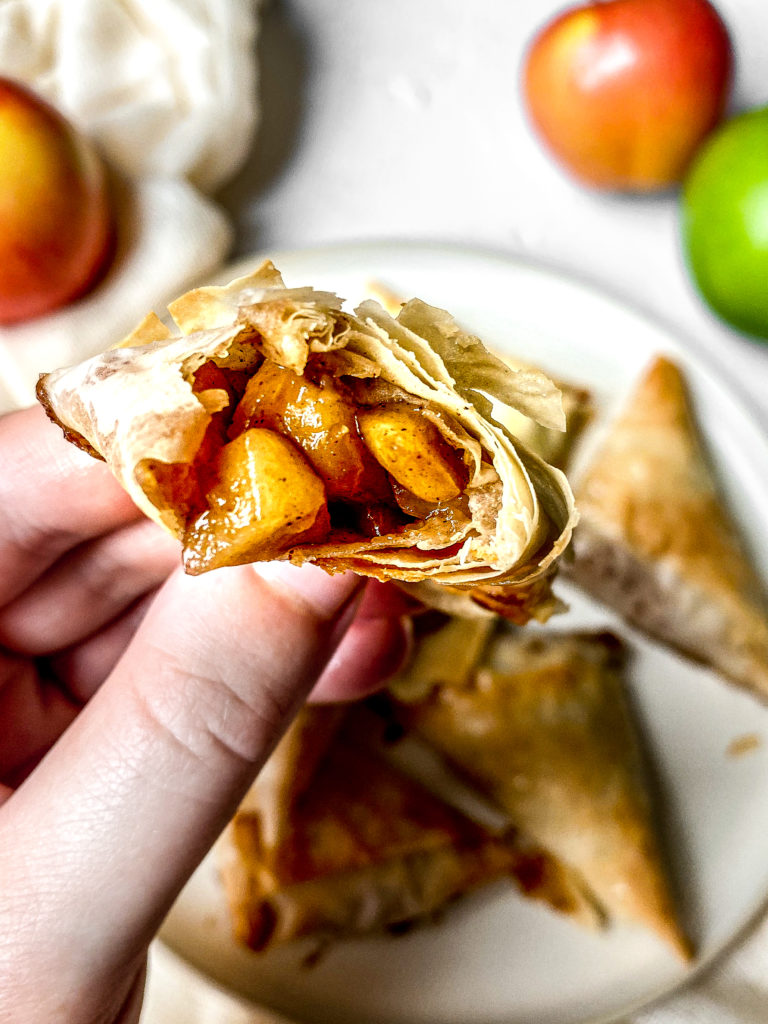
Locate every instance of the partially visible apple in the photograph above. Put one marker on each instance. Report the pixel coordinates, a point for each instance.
(623, 91)
(725, 221)
(55, 212)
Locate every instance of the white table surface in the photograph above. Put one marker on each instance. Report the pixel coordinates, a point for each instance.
(399, 119)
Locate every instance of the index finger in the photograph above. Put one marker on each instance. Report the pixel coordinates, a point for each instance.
(124, 807)
(52, 497)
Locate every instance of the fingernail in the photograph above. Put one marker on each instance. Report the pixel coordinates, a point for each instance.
(409, 643)
(328, 596)
(400, 650)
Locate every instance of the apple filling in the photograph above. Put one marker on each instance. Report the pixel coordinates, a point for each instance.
(291, 459)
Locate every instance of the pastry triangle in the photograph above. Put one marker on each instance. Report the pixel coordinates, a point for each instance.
(545, 733)
(445, 652)
(289, 771)
(365, 849)
(657, 544)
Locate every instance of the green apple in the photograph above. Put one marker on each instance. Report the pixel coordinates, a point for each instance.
(725, 222)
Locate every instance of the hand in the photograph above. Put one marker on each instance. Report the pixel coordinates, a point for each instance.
(136, 706)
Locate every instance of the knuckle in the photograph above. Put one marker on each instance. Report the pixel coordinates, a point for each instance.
(209, 718)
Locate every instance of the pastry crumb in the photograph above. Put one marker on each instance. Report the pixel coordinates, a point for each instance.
(745, 744)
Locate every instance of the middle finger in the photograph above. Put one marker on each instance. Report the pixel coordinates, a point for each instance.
(86, 589)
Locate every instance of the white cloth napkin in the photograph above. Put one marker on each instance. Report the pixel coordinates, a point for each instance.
(167, 88)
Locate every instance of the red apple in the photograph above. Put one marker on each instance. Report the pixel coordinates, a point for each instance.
(623, 91)
(55, 211)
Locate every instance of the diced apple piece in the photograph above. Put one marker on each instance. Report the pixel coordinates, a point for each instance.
(414, 452)
(265, 497)
(320, 418)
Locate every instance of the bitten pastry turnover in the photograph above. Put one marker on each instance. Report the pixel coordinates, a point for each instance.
(270, 423)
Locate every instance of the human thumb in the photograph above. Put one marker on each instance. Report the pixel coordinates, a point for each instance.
(98, 841)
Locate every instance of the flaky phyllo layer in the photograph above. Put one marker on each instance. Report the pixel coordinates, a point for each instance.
(270, 423)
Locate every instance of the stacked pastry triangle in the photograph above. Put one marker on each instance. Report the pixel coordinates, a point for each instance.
(356, 846)
(656, 543)
(334, 839)
(543, 729)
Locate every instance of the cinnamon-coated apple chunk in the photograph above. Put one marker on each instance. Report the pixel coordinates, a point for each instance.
(413, 451)
(319, 416)
(265, 498)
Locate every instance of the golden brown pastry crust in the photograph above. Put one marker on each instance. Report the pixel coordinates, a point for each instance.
(546, 734)
(446, 651)
(657, 544)
(554, 446)
(365, 848)
(289, 771)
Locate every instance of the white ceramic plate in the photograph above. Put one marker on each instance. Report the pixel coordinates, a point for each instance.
(497, 958)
